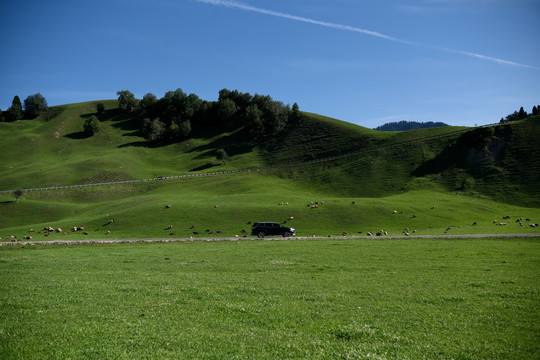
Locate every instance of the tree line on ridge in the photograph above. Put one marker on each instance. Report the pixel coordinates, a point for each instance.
(177, 114)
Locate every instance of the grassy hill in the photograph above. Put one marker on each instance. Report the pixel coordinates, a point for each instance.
(433, 179)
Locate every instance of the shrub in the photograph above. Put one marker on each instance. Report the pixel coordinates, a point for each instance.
(91, 126)
(100, 108)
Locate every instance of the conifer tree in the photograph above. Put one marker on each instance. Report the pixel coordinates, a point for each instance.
(522, 114)
(15, 111)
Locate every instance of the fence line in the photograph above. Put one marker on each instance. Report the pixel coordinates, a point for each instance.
(274, 166)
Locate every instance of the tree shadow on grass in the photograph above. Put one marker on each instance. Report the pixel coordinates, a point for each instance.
(141, 143)
(236, 143)
(205, 167)
(79, 135)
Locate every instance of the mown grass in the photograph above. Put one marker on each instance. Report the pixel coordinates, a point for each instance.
(318, 299)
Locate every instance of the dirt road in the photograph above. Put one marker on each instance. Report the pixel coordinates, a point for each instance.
(121, 241)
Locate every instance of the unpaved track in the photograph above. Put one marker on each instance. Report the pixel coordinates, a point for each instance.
(165, 240)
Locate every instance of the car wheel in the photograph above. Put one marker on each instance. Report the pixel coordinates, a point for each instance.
(286, 234)
(261, 234)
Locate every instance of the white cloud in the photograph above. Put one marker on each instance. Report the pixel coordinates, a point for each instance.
(246, 7)
(242, 6)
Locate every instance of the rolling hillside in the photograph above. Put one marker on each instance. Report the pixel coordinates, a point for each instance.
(361, 175)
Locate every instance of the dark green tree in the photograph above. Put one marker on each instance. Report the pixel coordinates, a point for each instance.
(242, 100)
(535, 110)
(224, 94)
(100, 108)
(91, 126)
(126, 100)
(154, 130)
(295, 112)
(226, 109)
(173, 131)
(185, 128)
(222, 156)
(34, 105)
(1, 115)
(276, 119)
(522, 114)
(17, 193)
(192, 105)
(148, 101)
(254, 117)
(512, 117)
(15, 112)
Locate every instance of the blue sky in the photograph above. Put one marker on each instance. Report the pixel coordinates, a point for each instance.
(463, 62)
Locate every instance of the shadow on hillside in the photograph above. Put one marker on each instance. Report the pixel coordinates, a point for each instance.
(234, 144)
(205, 167)
(478, 151)
(131, 123)
(79, 135)
(141, 143)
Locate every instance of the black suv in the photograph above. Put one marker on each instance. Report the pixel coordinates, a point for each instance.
(261, 229)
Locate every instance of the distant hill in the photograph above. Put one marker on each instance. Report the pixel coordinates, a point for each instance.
(409, 125)
(500, 161)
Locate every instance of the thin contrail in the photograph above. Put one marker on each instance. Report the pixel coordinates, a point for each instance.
(242, 6)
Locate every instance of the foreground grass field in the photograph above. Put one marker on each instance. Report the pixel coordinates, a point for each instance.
(317, 299)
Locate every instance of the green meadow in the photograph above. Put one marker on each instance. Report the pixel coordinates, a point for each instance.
(267, 299)
(205, 207)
